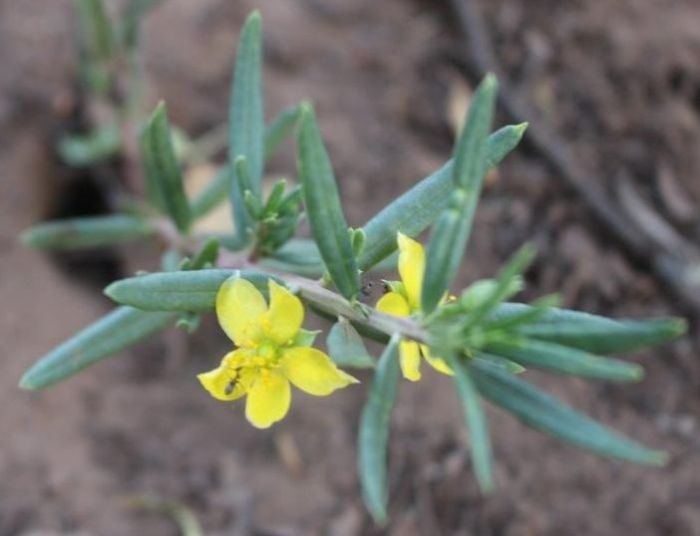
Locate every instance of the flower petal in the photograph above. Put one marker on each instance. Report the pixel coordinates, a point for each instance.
(312, 371)
(436, 362)
(226, 381)
(285, 316)
(239, 307)
(411, 267)
(409, 354)
(269, 398)
(393, 303)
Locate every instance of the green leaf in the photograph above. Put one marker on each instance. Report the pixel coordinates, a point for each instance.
(135, 11)
(280, 128)
(178, 291)
(418, 208)
(346, 347)
(374, 433)
(328, 225)
(189, 322)
(206, 257)
(449, 239)
(501, 362)
(96, 28)
(163, 174)
(87, 150)
(529, 315)
(117, 330)
(475, 419)
(557, 358)
(305, 337)
(442, 249)
(91, 232)
(506, 285)
(471, 150)
(547, 414)
(275, 198)
(246, 118)
(593, 333)
(219, 189)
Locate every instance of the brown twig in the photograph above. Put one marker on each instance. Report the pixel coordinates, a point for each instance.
(667, 266)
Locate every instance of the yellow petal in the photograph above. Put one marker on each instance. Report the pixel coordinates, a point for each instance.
(393, 303)
(411, 267)
(285, 316)
(269, 398)
(312, 371)
(239, 307)
(436, 362)
(409, 353)
(226, 382)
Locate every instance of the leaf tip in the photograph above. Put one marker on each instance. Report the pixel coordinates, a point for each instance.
(658, 458)
(112, 291)
(637, 373)
(677, 326)
(160, 109)
(490, 81)
(306, 111)
(28, 238)
(521, 128)
(26, 382)
(255, 18)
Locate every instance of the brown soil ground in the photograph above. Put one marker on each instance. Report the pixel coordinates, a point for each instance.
(618, 80)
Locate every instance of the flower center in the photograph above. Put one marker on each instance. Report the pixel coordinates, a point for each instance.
(268, 351)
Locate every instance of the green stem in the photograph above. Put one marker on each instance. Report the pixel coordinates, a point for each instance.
(335, 305)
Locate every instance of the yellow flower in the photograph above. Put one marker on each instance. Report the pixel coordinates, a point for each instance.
(270, 353)
(404, 300)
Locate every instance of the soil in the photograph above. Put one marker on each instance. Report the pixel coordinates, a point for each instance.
(617, 80)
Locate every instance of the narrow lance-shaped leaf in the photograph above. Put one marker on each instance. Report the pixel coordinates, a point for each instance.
(507, 284)
(557, 358)
(163, 174)
(178, 291)
(471, 150)
(373, 435)
(475, 419)
(529, 315)
(415, 210)
(117, 330)
(246, 118)
(346, 348)
(328, 225)
(134, 12)
(440, 250)
(592, 333)
(78, 233)
(449, 240)
(547, 414)
(96, 28)
(86, 150)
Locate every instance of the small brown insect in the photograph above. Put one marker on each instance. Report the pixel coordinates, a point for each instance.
(367, 288)
(233, 382)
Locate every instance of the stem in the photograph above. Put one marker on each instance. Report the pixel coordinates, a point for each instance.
(311, 291)
(334, 304)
